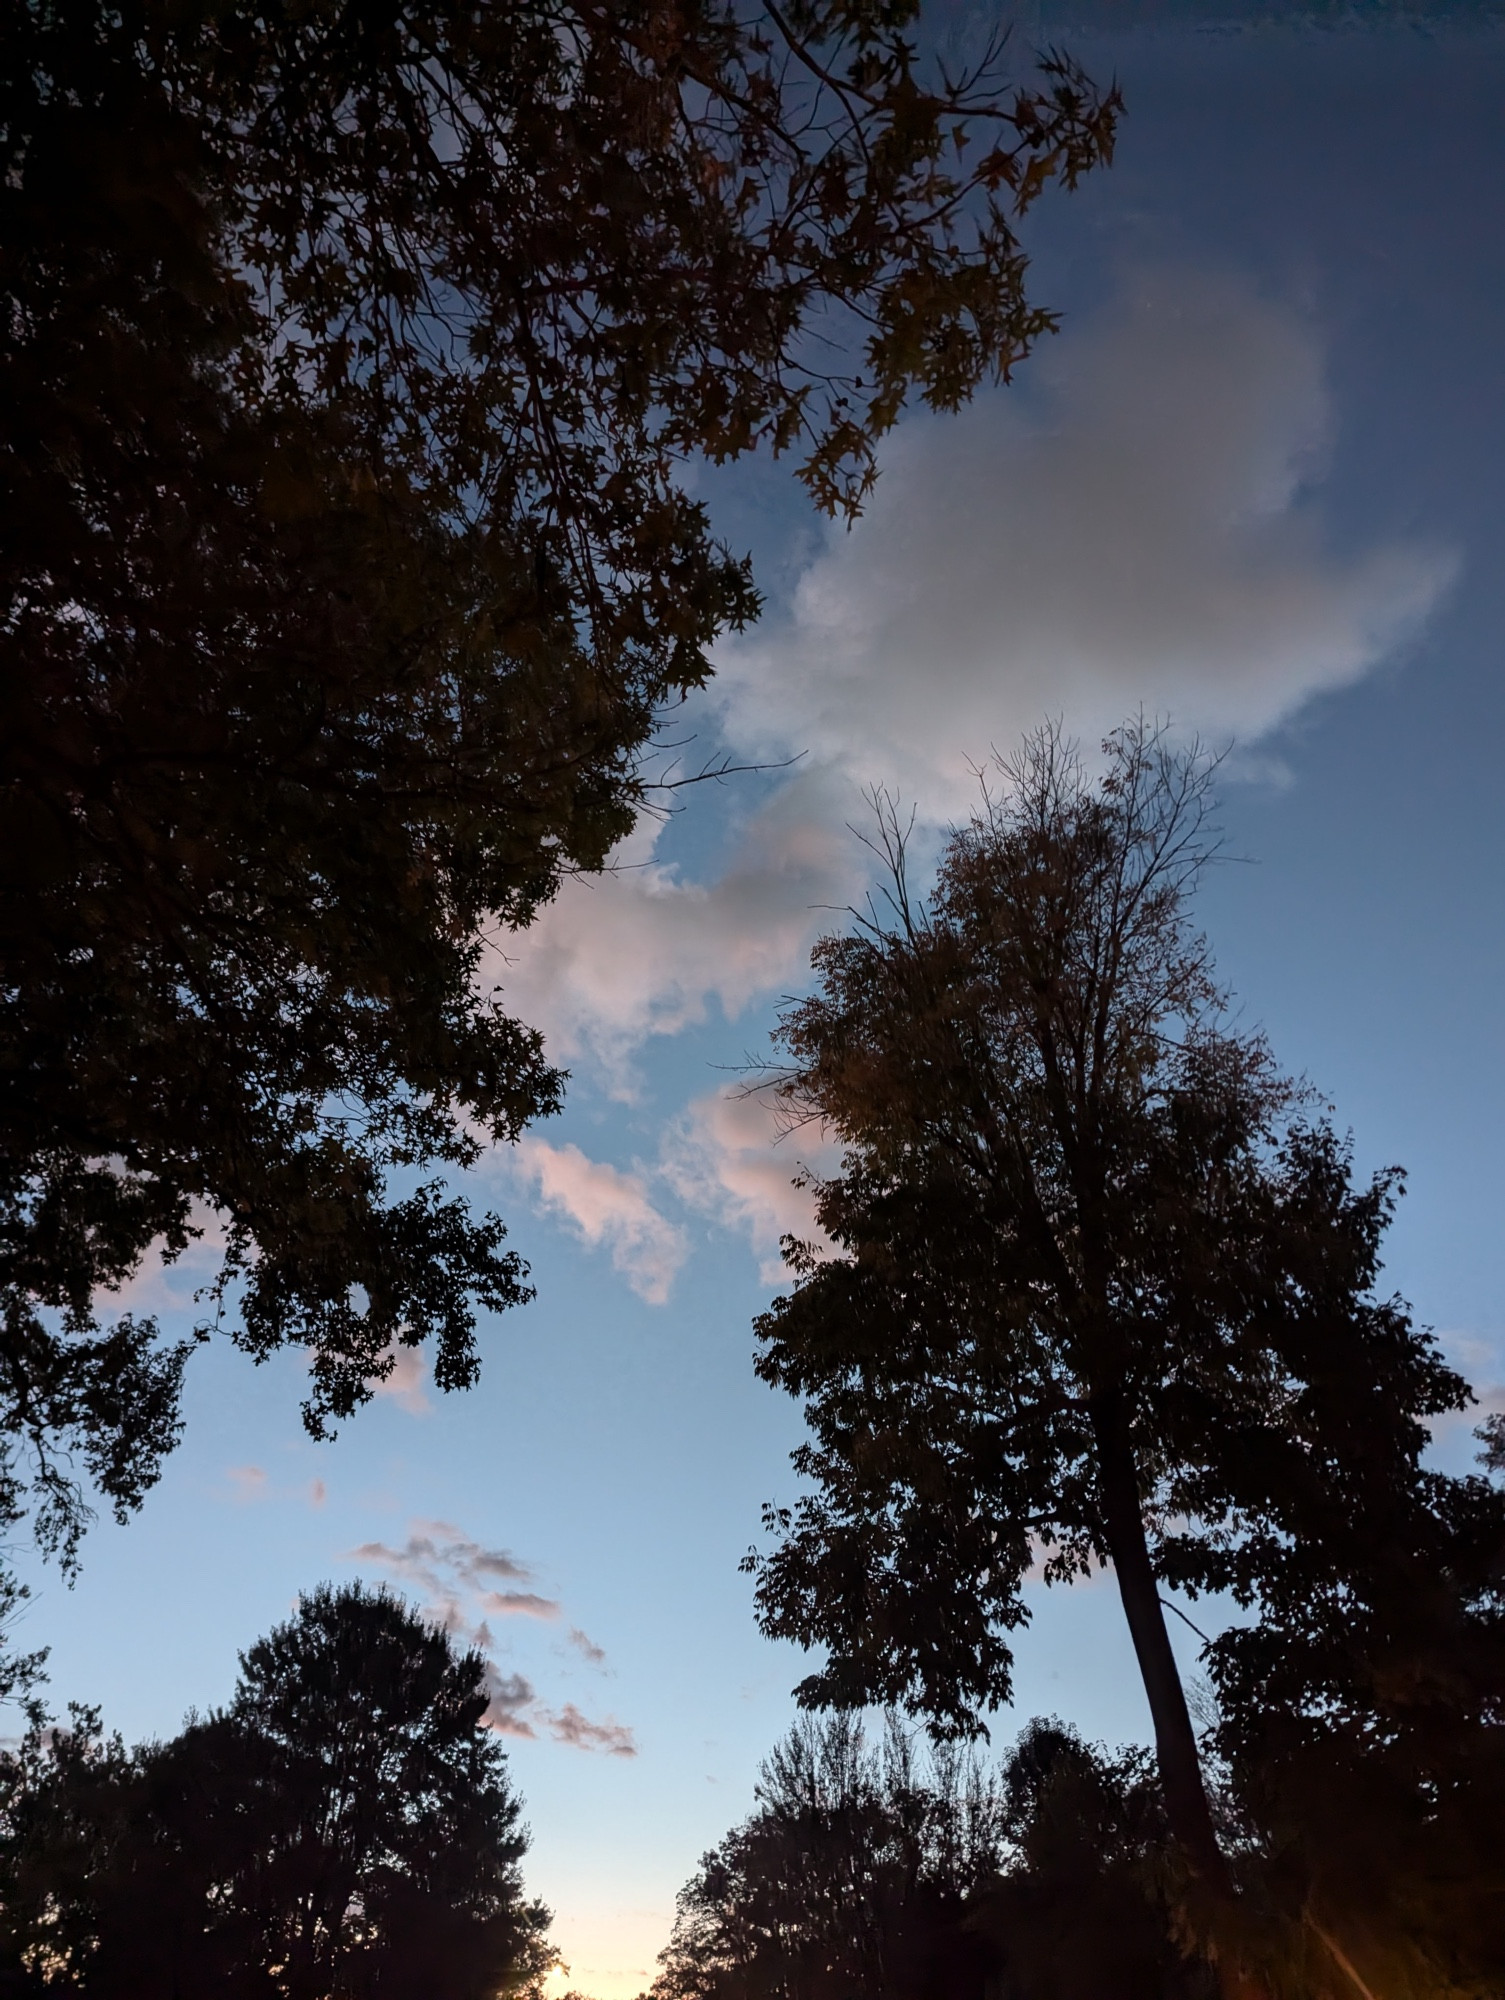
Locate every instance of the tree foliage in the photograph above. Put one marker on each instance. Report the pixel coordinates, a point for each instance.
(350, 357)
(344, 1828)
(875, 1872)
(850, 1877)
(1102, 1291)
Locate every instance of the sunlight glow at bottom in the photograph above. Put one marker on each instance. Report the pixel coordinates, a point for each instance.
(609, 1955)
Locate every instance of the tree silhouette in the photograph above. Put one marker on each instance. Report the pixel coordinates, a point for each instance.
(874, 1872)
(349, 360)
(344, 1828)
(1080, 1911)
(851, 1877)
(1103, 1292)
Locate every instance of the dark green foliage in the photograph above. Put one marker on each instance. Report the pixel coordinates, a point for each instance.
(873, 1874)
(1102, 1290)
(348, 358)
(344, 1828)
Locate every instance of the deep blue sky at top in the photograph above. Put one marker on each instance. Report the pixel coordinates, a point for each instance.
(1334, 199)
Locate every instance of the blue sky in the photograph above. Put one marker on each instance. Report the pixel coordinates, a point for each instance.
(1257, 482)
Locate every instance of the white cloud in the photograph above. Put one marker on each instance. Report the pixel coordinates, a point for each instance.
(641, 952)
(726, 1156)
(1147, 533)
(1137, 524)
(608, 1209)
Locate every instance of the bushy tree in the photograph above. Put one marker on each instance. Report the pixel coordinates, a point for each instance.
(1083, 1907)
(349, 358)
(1103, 1292)
(344, 1829)
(873, 1871)
(850, 1877)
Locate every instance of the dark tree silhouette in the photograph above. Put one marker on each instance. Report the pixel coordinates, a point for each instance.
(348, 358)
(851, 1877)
(1081, 1910)
(345, 1828)
(1102, 1293)
(875, 1874)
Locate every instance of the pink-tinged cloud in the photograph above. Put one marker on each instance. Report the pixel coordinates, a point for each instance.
(729, 1156)
(607, 1209)
(452, 1575)
(520, 1604)
(638, 952)
(447, 1568)
(587, 1647)
(404, 1382)
(318, 1493)
(248, 1481)
(511, 1697)
(568, 1725)
(157, 1285)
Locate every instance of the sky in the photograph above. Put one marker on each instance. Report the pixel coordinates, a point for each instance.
(1256, 484)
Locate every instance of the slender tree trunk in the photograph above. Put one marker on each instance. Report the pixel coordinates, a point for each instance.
(1186, 1805)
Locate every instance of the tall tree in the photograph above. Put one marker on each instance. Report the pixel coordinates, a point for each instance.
(1102, 1292)
(350, 357)
(345, 1827)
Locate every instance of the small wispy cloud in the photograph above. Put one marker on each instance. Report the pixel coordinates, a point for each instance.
(587, 1647)
(607, 1209)
(248, 1482)
(252, 1483)
(520, 1603)
(454, 1577)
(570, 1726)
(448, 1569)
(512, 1698)
(405, 1381)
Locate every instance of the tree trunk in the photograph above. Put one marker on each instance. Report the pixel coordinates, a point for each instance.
(1186, 1805)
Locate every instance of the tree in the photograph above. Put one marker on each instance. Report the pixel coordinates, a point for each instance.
(850, 1877)
(350, 359)
(1081, 1911)
(1102, 1292)
(345, 1828)
(875, 1872)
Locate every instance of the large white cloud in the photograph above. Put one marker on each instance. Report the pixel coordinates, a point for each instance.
(1141, 527)
(1143, 531)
